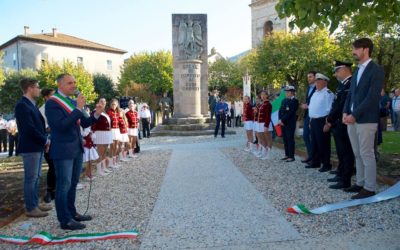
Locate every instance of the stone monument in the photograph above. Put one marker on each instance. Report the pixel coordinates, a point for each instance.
(189, 51)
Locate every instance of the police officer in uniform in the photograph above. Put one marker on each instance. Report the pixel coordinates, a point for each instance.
(319, 108)
(287, 120)
(334, 123)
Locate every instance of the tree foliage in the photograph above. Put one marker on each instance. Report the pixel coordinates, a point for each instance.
(287, 58)
(2, 75)
(49, 71)
(153, 69)
(11, 92)
(104, 86)
(223, 74)
(386, 48)
(142, 93)
(367, 14)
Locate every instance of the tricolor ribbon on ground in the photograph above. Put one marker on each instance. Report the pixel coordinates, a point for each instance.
(44, 238)
(390, 193)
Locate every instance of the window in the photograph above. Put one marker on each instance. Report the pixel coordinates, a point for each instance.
(79, 60)
(14, 59)
(109, 65)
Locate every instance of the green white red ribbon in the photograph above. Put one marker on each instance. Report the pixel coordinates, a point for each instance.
(44, 238)
(390, 193)
(64, 102)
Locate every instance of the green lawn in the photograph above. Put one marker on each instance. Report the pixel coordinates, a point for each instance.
(391, 143)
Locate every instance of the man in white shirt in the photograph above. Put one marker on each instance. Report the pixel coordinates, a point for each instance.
(145, 118)
(319, 108)
(396, 110)
(3, 134)
(12, 137)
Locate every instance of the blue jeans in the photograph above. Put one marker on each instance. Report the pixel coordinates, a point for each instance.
(307, 136)
(32, 173)
(67, 177)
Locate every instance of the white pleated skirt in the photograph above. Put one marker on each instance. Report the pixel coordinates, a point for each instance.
(103, 138)
(124, 137)
(133, 131)
(90, 154)
(115, 134)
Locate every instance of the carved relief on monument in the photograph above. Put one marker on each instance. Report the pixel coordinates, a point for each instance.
(190, 39)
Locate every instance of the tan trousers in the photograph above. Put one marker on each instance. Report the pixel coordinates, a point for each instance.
(362, 138)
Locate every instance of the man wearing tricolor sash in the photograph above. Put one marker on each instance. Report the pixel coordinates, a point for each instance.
(65, 117)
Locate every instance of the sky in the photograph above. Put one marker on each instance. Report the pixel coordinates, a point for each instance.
(131, 25)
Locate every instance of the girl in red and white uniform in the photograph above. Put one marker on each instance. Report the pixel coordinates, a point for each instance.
(114, 114)
(132, 118)
(262, 126)
(123, 144)
(89, 152)
(102, 139)
(247, 118)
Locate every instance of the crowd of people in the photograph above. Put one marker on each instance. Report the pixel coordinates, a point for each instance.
(353, 115)
(67, 135)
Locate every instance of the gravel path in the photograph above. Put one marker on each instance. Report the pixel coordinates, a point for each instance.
(123, 200)
(287, 184)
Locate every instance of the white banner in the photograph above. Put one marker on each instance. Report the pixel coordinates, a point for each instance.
(247, 85)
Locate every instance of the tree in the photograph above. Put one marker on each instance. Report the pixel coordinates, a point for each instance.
(142, 93)
(11, 92)
(104, 86)
(153, 69)
(284, 58)
(49, 71)
(367, 14)
(386, 48)
(223, 74)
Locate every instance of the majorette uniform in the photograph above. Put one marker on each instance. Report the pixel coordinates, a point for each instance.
(123, 131)
(263, 117)
(133, 122)
(102, 130)
(89, 151)
(114, 116)
(248, 116)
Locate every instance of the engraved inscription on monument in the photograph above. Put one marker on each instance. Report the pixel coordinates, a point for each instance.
(191, 77)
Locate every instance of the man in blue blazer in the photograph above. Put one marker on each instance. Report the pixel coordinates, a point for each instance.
(361, 115)
(65, 117)
(31, 145)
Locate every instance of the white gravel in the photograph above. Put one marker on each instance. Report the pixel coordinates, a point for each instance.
(288, 184)
(121, 201)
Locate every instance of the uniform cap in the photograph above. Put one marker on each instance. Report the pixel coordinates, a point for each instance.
(340, 64)
(290, 88)
(320, 76)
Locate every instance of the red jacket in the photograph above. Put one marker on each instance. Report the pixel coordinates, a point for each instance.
(114, 116)
(122, 125)
(248, 113)
(88, 141)
(133, 119)
(102, 124)
(264, 113)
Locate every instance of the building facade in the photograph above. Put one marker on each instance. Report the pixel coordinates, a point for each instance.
(264, 20)
(31, 50)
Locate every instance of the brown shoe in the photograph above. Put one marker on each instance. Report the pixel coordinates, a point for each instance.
(45, 207)
(36, 213)
(363, 194)
(353, 189)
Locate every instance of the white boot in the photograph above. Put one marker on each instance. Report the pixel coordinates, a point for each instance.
(260, 151)
(115, 162)
(100, 170)
(106, 167)
(264, 154)
(256, 149)
(247, 148)
(122, 157)
(130, 151)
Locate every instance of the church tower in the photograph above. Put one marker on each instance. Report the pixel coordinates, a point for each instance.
(264, 19)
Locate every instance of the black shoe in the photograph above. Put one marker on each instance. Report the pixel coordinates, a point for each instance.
(324, 169)
(353, 189)
(334, 172)
(223, 136)
(80, 217)
(339, 185)
(284, 158)
(290, 160)
(312, 166)
(47, 197)
(73, 225)
(363, 194)
(306, 160)
(335, 179)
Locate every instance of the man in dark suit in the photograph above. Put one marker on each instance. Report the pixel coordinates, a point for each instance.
(31, 145)
(361, 114)
(287, 119)
(306, 125)
(65, 117)
(344, 151)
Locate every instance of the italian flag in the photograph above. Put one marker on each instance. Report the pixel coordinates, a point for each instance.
(276, 105)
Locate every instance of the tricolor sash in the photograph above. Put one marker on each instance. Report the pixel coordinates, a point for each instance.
(65, 103)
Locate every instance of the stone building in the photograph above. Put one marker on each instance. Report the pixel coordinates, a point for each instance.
(30, 50)
(264, 19)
